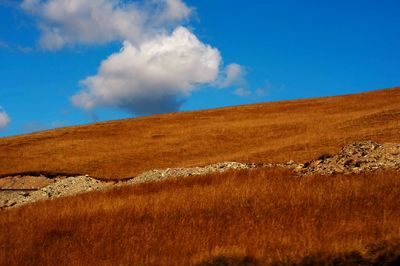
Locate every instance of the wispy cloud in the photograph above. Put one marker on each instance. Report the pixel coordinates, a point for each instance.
(14, 47)
(242, 92)
(4, 119)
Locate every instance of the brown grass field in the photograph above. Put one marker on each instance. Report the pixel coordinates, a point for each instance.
(268, 132)
(259, 216)
(254, 217)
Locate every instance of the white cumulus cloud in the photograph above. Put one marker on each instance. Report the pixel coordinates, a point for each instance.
(160, 63)
(153, 77)
(4, 119)
(67, 22)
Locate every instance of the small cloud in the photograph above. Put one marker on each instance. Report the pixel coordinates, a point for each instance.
(242, 92)
(234, 75)
(4, 119)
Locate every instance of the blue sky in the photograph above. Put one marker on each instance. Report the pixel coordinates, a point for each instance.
(203, 54)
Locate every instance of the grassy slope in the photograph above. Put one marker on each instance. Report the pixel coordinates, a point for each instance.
(268, 132)
(264, 214)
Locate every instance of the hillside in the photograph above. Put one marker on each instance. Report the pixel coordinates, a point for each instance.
(253, 217)
(262, 133)
(320, 187)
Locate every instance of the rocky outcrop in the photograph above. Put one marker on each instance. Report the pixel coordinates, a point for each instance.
(161, 174)
(363, 156)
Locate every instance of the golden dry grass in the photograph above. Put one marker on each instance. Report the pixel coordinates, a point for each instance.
(268, 132)
(260, 216)
(267, 215)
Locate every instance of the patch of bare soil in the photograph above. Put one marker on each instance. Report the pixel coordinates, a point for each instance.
(352, 159)
(24, 182)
